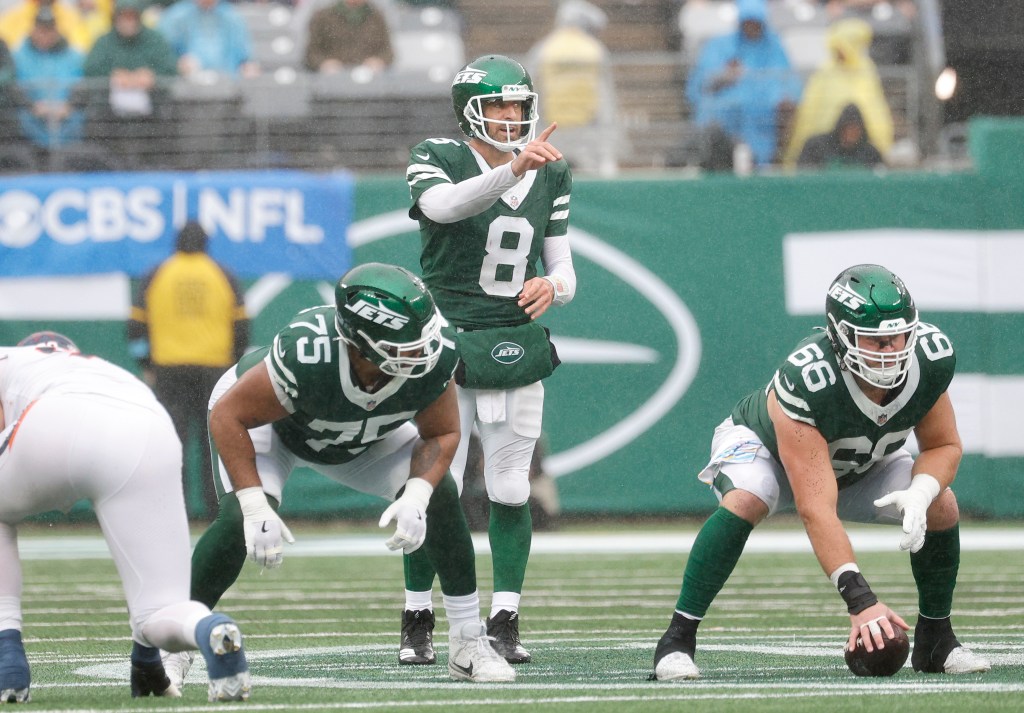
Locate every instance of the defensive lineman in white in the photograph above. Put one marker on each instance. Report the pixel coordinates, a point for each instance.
(76, 427)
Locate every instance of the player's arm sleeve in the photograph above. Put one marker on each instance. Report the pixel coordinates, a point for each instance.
(558, 267)
(452, 202)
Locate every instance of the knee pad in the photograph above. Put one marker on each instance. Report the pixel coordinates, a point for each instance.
(509, 487)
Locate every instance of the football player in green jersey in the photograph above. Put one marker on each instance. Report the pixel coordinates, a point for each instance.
(361, 392)
(490, 208)
(826, 436)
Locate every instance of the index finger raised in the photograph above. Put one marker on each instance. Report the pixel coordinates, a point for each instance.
(547, 132)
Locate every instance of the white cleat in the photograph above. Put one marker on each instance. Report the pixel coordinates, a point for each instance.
(963, 660)
(226, 664)
(177, 665)
(472, 658)
(676, 666)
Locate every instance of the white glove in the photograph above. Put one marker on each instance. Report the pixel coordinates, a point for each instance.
(265, 532)
(913, 503)
(410, 512)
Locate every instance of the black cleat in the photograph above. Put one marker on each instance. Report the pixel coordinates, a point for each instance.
(14, 672)
(151, 680)
(937, 650)
(504, 628)
(417, 647)
(674, 654)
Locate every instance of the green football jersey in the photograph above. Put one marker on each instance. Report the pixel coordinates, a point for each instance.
(332, 420)
(476, 267)
(810, 387)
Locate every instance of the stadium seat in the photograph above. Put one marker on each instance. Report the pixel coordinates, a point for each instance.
(701, 20)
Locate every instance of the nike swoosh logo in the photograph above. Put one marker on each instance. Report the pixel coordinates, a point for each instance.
(264, 528)
(466, 671)
(422, 157)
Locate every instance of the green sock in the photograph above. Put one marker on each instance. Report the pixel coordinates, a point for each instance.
(510, 533)
(220, 553)
(449, 545)
(419, 573)
(935, 568)
(715, 552)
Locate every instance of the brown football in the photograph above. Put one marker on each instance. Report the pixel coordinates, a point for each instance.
(880, 662)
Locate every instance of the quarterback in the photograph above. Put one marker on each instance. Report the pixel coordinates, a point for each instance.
(73, 427)
(359, 391)
(489, 210)
(826, 435)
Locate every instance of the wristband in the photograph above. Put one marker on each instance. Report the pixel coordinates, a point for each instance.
(855, 592)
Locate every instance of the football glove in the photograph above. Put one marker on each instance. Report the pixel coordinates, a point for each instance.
(410, 514)
(913, 503)
(265, 532)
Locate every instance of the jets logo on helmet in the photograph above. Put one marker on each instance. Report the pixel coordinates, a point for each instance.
(389, 316)
(378, 314)
(869, 306)
(495, 78)
(846, 296)
(469, 76)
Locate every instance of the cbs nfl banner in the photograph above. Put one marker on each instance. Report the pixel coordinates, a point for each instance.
(259, 223)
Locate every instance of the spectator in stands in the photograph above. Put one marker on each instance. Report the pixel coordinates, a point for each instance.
(208, 35)
(743, 85)
(15, 155)
(845, 146)
(847, 77)
(47, 70)
(349, 34)
(572, 71)
(188, 325)
(97, 16)
(134, 58)
(17, 23)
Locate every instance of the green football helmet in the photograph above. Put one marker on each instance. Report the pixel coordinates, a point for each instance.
(488, 78)
(870, 302)
(389, 316)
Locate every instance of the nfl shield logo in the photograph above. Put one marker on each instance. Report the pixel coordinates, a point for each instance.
(882, 419)
(513, 201)
(371, 405)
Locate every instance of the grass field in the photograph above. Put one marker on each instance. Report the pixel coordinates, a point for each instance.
(322, 631)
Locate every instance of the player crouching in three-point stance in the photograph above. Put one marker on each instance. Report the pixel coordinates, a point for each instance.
(76, 427)
(361, 392)
(826, 435)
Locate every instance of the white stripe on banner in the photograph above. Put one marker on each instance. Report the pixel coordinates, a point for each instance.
(86, 297)
(945, 270)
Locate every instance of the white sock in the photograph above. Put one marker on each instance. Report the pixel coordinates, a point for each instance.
(509, 601)
(415, 601)
(461, 610)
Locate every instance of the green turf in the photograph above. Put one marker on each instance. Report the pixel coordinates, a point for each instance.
(321, 634)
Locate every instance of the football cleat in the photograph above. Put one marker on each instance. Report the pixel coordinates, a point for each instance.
(937, 650)
(150, 680)
(417, 647)
(220, 642)
(503, 627)
(472, 658)
(673, 656)
(676, 666)
(177, 665)
(14, 672)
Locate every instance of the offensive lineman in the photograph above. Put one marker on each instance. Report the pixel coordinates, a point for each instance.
(489, 208)
(73, 427)
(359, 391)
(826, 435)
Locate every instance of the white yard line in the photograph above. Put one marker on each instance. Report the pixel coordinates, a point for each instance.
(879, 539)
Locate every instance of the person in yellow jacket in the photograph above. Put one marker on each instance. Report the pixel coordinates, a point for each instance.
(849, 76)
(188, 324)
(17, 23)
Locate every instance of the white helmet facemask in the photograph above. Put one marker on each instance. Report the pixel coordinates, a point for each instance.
(527, 127)
(884, 369)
